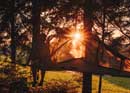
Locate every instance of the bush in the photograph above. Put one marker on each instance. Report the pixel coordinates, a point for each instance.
(61, 86)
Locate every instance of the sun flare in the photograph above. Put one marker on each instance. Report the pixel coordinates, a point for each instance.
(73, 45)
(78, 39)
(77, 36)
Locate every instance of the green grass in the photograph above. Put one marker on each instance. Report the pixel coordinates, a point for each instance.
(112, 84)
(109, 84)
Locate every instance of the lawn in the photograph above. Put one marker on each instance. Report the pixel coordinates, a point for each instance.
(109, 84)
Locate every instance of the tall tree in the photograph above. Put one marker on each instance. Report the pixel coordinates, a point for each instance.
(13, 32)
(88, 23)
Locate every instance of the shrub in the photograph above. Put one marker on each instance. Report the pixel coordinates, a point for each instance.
(61, 86)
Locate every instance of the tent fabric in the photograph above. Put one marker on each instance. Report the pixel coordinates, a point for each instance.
(94, 60)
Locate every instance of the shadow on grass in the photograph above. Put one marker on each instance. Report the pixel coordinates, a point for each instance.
(119, 81)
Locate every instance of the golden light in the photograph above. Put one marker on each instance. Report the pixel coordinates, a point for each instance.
(77, 36)
(77, 33)
(73, 45)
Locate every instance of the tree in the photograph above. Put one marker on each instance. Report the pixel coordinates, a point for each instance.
(87, 77)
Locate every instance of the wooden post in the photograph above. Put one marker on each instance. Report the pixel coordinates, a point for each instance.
(102, 55)
(87, 77)
(100, 84)
(87, 83)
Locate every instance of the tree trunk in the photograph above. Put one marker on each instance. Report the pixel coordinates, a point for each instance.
(13, 33)
(37, 38)
(36, 9)
(87, 83)
(13, 39)
(87, 77)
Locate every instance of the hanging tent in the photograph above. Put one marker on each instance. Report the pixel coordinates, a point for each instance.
(90, 60)
(75, 55)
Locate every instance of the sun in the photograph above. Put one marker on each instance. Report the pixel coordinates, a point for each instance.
(78, 40)
(77, 33)
(76, 36)
(77, 44)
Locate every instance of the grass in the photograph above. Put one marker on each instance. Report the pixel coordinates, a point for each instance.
(112, 87)
(109, 84)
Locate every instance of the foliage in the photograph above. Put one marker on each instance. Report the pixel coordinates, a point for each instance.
(6, 71)
(60, 86)
(13, 80)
